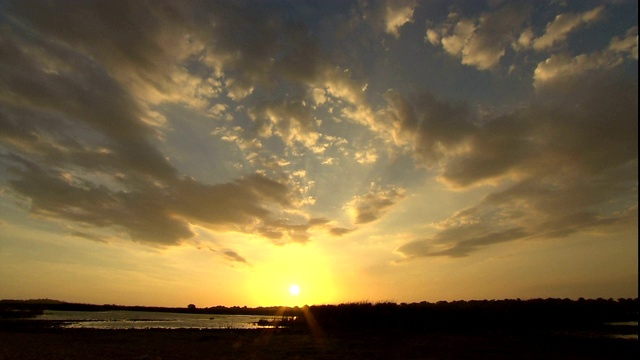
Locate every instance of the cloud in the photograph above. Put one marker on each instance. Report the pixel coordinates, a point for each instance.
(52, 195)
(479, 42)
(231, 255)
(151, 213)
(151, 53)
(92, 237)
(69, 104)
(79, 148)
(460, 248)
(563, 24)
(432, 37)
(469, 152)
(368, 156)
(434, 129)
(564, 66)
(319, 96)
(398, 13)
(628, 44)
(83, 130)
(290, 119)
(567, 163)
(524, 40)
(80, 125)
(373, 205)
(171, 56)
(338, 231)
(234, 256)
(490, 223)
(282, 232)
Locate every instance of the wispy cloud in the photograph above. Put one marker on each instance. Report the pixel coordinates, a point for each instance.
(563, 24)
(234, 256)
(371, 206)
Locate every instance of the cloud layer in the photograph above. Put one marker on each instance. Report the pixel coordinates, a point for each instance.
(569, 165)
(82, 136)
(280, 103)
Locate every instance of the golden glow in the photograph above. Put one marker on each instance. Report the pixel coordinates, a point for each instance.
(293, 267)
(294, 289)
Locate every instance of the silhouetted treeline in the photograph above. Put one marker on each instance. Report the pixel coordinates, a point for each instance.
(456, 315)
(47, 304)
(472, 315)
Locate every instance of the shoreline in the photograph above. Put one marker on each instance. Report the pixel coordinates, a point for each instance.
(27, 340)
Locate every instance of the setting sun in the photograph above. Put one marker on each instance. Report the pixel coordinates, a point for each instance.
(294, 289)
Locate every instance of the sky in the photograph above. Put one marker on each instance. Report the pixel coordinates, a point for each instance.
(217, 152)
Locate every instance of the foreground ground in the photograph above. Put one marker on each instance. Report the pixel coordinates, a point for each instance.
(22, 340)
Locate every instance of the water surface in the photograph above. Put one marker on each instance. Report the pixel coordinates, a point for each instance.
(121, 319)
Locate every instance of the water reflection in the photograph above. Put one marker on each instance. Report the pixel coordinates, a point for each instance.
(152, 320)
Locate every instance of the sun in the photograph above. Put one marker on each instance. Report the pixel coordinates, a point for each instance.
(294, 289)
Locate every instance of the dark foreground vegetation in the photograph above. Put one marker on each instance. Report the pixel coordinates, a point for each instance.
(503, 329)
(480, 315)
(423, 316)
(87, 344)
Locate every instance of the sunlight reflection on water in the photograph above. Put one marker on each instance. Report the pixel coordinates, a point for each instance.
(152, 320)
(629, 324)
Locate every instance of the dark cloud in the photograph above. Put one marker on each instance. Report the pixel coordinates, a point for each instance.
(338, 231)
(121, 35)
(570, 160)
(45, 106)
(586, 123)
(582, 130)
(257, 45)
(239, 202)
(142, 213)
(280, 232)
(182, 52)
(432, 127)
(152, 213)
(371, 206)
(234, 256)
(89, 236)
(283, 231)
(78, 83)
(421, 248)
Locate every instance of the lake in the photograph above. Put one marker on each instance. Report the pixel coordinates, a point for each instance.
(152, 320)
(122, 319)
